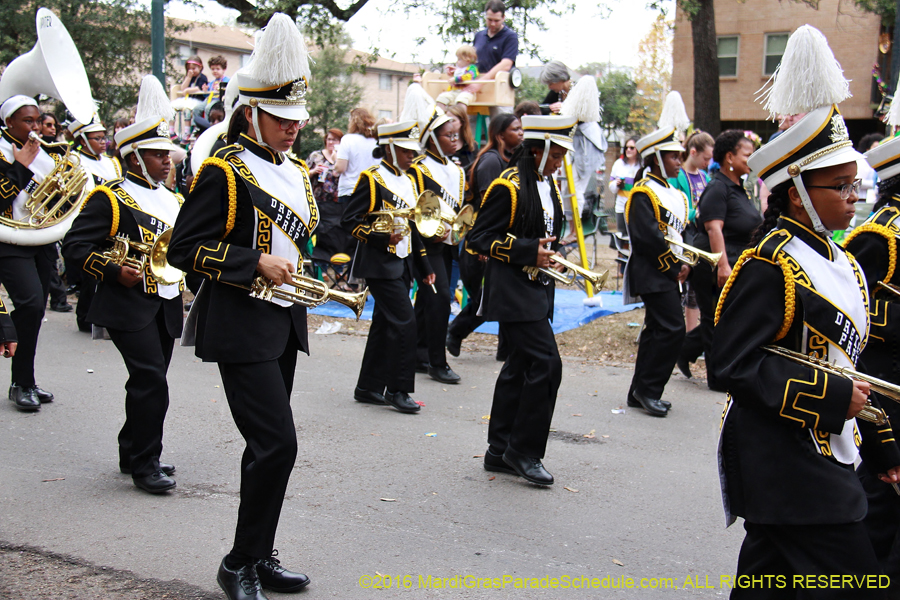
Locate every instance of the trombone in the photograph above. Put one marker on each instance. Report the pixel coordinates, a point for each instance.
(309, 293)
(885, 388)
(120, 253)
(426, 214)
(597, 279)
(693, 255)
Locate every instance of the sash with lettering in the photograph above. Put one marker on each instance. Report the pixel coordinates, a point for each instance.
(401, 249)
(283, 201)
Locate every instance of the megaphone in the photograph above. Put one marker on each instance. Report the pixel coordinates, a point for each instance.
(53, 68)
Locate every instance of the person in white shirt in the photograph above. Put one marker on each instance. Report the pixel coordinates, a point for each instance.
(354, 155)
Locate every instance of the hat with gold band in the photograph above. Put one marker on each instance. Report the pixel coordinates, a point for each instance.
(150, 130)
(286, 100)
(77, 128)
(402, 135)
(661, 140)
(885, 158)
(552, 129)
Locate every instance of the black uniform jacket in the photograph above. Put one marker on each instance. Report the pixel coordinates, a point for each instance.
(874, 245)
(509, 294)
(775, 472)
(106, 213)
(14, 177)
(652, 267)
(214, 237)
(435, 245)
(376, 258)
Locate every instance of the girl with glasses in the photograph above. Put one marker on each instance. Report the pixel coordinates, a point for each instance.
(622, 177)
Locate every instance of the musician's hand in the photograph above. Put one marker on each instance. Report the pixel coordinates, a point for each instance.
(444, 237)
(684, 273)
(724, 271)
(27, 153)
(482, 258)
(556, 265)
(129, 276)
(9, 349)
(395, 238)
(892, 476)
(275, 268)
(859, 398)
(544, 253)
(556, 107)
(429, 279)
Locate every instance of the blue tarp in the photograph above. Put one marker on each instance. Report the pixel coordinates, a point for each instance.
(569, 311)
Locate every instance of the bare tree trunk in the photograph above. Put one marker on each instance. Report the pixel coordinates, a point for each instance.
(706, 69)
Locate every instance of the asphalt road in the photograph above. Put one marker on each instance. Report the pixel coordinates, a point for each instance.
(375, 496)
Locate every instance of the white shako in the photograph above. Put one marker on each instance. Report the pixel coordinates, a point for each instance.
(399, 135)
(885, 157)
(276, 81)
(810, 80)
(150, 132)
(102, 167)
(42, 164)
(551, 129)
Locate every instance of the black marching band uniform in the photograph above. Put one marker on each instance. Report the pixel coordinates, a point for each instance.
(655, 210)
(247, 200)
(144, 320)
(387, 373)
(526, 388)
(786, 450)
(874, 245)
(102, 168)
(25, 269)
(448, 181)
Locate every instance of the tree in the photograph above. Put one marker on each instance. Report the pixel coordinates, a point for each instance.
(531, 89)
(654, 75)
(111, 37)
(618, 95)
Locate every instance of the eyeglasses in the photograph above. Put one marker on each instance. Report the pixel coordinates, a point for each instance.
(845, 190)
(450, 136)
(285, 124)
(99, 138)
(630, 148)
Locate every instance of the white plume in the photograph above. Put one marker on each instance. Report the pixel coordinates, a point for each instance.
(674, 114)
(808, 77)
(230, 96)
(280, 54)
(583, 102)
(417, 106)
(152, 101)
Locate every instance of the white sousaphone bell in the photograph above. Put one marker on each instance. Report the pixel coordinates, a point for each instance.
(53, 68)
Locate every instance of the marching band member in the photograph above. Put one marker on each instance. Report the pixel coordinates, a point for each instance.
(387, 374)
(142, 315)
(655, 210)
(24, 270)
(789, 434)
(250, 212)
(440, 139)
(518, 226)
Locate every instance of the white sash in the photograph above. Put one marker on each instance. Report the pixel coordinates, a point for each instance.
(163, 206)
(42, 164)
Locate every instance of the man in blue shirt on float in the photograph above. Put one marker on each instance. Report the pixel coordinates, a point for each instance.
(497, 46)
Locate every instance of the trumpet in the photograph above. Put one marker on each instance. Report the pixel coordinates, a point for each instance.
(458, 224)
(120, 253)
(890, 288)
(426, 214)
(693, 255)
(310, 293)
(598, 280)
(885, 388)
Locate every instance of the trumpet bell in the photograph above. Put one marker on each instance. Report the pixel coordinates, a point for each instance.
(427, 213)
(462, 223)
(165, 273)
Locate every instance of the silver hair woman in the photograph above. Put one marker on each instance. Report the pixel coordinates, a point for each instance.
(555, 76)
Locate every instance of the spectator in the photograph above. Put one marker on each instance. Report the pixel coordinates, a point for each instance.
(195, 82)
(49, 127)
(466, 154)
(355, 152)
(461, 91)
(321, 169)
(864, 171)
(527, 107)
(497, 45)
(555, 76)
(330, 238)
(622, 177)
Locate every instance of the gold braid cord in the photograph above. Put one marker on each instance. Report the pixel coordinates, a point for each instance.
(884, 232)
(654, 201)
(232, 189)
(113, 202)
(513, 197)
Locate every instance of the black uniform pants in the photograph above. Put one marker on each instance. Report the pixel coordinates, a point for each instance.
(147, 353)
(783, 551)
(660, 344)
(433, 310)
(471, 271)
(699, 340)
(883, 524)
(85, 297)
(27, 279)
(259, 396)
(389, 359)
(525, 392)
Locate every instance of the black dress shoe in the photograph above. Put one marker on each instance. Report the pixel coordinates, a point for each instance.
(443, 374)
(453, 344)
(155, 483)
(71, 290)
(368, 396)
(651, 405)
(635, 404)
(274, 577)
(402, 402)
(61, 308)
(422, 367)
(83, 326)
(684, 366)
(527, 468)
(242, 584)
(494, 462)
(43, 395)
(25, 398)
(167, 469)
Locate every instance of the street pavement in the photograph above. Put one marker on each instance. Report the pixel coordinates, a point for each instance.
(376, 497)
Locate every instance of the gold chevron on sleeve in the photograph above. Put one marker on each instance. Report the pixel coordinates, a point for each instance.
(794, 393)
(500, 249)
(207, 257)
(667, 260)
(95, 263)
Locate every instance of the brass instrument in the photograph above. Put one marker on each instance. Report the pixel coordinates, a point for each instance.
(426, 214)
(693, 255)
(885, 388)
(310, 293)
(165, 273)
(458, 224)
(598, 280)
(890, 288)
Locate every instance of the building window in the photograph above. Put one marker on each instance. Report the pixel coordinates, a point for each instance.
(245, 60)
(728, 55)
(775, 45)
(184, 53)
(385, 114)
(384, 82)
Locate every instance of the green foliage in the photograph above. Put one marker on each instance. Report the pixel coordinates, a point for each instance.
(886, 9)
(531, 89)
(653, 75)
(618, 99)
(112, 37)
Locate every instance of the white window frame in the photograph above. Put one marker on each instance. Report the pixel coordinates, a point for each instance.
(385, 114)
(737, 56)
(766, 47)
(382, 77)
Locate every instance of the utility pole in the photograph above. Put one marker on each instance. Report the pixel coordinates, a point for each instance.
(158, 40)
